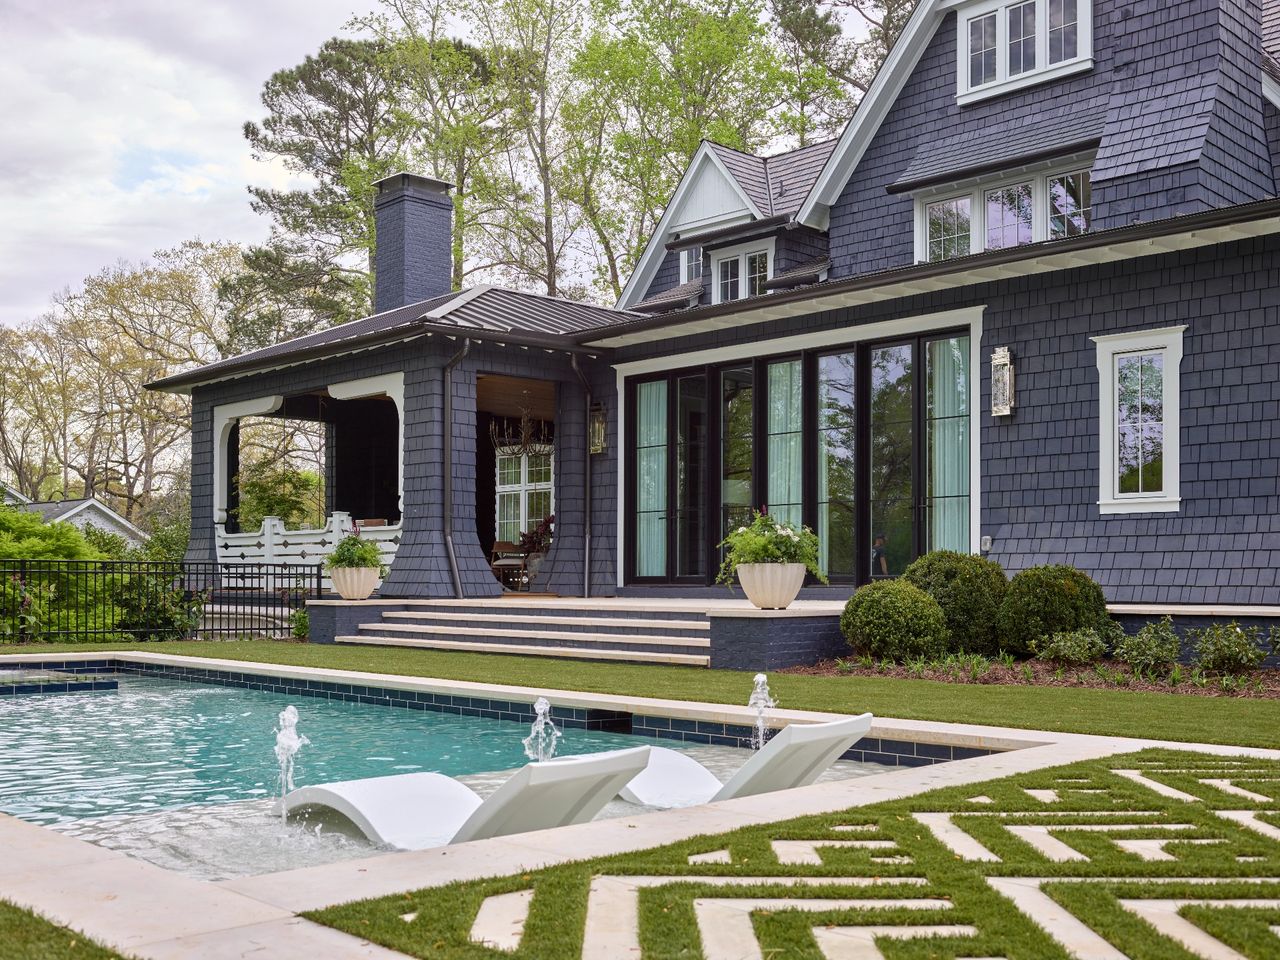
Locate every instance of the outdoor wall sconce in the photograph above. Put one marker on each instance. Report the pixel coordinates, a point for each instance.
(1001, 382)
(596, 424)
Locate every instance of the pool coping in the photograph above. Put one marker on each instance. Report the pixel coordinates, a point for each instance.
(144, 909)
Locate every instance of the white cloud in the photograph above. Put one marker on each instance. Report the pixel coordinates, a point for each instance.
(123, 124)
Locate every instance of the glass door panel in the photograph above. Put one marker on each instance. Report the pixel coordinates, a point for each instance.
(836, 466)
(736, 446)
(651, 479)
(891, 436)
(785, 443)
(691, 476)
(947, 450)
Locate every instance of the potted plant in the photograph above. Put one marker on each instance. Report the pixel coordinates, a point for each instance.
(355, 567)
(770, 559)
(535, 543)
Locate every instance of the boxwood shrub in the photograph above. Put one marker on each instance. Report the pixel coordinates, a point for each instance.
(970, 590)
(1042, 601)
(896, 620)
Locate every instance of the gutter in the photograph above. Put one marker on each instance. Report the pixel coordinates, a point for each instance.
(736, 231)
(446, 433)
(586, 480)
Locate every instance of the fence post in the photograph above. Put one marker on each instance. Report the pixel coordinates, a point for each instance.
(22, 593)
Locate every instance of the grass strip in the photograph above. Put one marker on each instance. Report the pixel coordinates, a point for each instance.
(27, 936)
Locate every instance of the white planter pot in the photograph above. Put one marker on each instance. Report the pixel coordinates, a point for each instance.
(354, 583)
(771, 586)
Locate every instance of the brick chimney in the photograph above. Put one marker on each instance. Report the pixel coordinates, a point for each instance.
(413, 251)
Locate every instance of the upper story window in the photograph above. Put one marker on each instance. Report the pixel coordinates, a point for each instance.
(741, 271)
(690, 264)
(1008, 213)
(1004, 45)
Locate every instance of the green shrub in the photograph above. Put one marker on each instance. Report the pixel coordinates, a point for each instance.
(353, 551)
(1042, 601)
(896, 620)
(1072, 646)
(1228, 648)
(1152, 649)
(150, 607)
(969, 589)
(300, 624)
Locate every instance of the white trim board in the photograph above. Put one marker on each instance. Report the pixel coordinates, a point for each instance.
(224, 417)
(390, 385)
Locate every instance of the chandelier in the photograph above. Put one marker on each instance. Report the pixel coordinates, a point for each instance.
(522, 436)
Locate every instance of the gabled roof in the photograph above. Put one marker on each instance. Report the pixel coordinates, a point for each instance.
(61, 511)
(481, 310)
(681, 295)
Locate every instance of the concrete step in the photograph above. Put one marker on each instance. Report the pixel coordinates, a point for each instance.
(547, 637)
(530, 650)
(538, 619)
(562, 607)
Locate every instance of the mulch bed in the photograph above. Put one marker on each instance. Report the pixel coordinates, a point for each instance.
(1108, 675)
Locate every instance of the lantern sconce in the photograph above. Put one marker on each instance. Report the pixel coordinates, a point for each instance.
(596, 425)
(1001, 382)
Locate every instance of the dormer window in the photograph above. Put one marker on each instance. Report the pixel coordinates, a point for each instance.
(1002, 212)
(691, 264)
(1005, 45)
(741, 271)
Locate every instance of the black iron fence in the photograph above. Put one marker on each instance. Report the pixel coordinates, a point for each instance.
(61, 601)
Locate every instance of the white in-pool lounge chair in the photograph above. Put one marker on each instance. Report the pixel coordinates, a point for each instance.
(414, 811)
(795, 757)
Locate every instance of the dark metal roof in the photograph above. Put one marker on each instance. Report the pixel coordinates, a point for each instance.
(1271, 31)
(683, 294)
(737, 231)
(952, 159)
(477, 310)
(777, 185)
(804, 272)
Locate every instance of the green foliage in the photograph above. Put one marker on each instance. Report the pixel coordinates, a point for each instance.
(109, 545)
(354, 551)
(168, 542)
(969, 589)
(1072, 646)
(292, 495)
(894, 619)
(1228, 648)
(1045, 600)
(300, 624)
(151, 607)
(25, 536)
(1152, 649)
(767, 540)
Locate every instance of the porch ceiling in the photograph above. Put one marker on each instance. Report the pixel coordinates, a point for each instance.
(511, 396)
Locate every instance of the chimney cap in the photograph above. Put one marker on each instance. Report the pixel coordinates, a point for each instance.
(402, 180)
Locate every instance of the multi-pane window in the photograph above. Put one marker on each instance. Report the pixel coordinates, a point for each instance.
(729, 279)
(523, 494)
(1022, 38)
(1070, 204)
(1047, 207)
(691, 264)
(1008, 211)
(1138, 420)
(1006, 44)
(757, 272)
(949, 229)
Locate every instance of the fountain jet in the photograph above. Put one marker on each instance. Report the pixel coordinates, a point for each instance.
(288, 743)
(543, 736)
(760, 702)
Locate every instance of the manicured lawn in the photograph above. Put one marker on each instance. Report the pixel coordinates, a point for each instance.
(25, 936)
(1239, 721)
(893, 871)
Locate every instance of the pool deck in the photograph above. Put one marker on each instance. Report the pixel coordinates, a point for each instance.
(147, 911)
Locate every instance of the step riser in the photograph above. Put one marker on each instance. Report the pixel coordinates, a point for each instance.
(568, 653)
(526, 610)
(638, 645)
(554, 624)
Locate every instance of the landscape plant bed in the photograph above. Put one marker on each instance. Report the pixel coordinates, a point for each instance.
(1109, 675)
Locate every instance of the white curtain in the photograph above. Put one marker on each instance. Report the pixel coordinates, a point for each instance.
(784, 497)
(651, 479)
(949, 444)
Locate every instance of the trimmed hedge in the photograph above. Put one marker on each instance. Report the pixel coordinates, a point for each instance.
(969, 589)
(1042, 601)
(895, 620)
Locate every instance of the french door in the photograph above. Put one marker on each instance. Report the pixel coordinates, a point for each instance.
(868, 444)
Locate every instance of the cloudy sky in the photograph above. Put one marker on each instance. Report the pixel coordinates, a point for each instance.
(121, 128)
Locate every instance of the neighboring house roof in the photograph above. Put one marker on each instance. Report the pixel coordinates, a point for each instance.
(12, 496)
(483, 311)
(85, 511)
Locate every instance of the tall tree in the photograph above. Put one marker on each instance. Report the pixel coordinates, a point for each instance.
(876, 24)
(817, 99)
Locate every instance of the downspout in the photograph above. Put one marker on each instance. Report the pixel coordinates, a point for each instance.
(446, 432)
(586, 481)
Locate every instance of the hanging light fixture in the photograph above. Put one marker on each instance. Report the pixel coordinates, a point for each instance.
(522, 436)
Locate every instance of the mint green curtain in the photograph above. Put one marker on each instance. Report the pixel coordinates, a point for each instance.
(651, 479)
(785, 442)
(948, 452)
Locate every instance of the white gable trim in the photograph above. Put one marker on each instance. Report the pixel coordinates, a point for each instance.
(1271, 89)
(656, 249)
(12, 495)
(93, 505)
(871, 113)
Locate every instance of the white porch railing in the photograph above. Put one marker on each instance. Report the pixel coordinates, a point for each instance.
(272, 543)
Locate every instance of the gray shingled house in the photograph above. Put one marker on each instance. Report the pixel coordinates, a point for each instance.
(1027, 304)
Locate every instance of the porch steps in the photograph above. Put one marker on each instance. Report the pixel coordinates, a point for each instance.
(569, 630)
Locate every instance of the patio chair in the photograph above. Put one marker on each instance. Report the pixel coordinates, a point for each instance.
(509, 564)
(414, 811)
(795, 757)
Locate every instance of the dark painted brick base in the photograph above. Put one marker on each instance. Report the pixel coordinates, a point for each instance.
(769, 643)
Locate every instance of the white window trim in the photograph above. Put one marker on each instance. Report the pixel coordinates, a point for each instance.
(1042, 73)
(739, 253)
(1167, 341)
(686, 257)
(976, 189)
(523, 488)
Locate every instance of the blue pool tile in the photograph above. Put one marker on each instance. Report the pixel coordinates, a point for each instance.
(905, 747)
(966, 753)
(936, 751)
